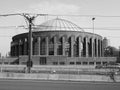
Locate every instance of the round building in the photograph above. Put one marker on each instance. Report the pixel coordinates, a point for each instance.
(59, 42)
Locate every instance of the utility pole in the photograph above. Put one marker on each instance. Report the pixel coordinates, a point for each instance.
(30, 20)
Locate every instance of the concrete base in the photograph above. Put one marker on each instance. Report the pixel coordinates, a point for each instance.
(70, 77)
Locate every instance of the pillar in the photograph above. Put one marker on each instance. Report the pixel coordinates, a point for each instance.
(63, 46)
(79, 46)
(100, 48)
(71, 46)
(86, 46)
(47, 49)
(92, 47)
(55, 46)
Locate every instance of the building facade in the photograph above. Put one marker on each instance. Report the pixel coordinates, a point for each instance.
(59, 41)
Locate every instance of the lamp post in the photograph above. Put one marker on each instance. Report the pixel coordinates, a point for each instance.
(93, 19)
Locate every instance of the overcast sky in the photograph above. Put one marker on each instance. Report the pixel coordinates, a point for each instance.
(69, 7)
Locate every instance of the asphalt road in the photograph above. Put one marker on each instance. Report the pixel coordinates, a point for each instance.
(55, 85)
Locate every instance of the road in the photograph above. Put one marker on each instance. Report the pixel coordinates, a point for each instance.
(55, 85)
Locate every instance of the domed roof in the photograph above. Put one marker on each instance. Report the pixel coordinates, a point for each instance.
(58, 25)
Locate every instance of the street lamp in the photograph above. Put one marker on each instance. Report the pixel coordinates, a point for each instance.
(93, 19)
(93, 48)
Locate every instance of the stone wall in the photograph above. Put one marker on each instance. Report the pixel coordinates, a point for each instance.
(64, 60)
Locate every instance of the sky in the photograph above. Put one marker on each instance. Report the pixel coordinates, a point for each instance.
(105, 26)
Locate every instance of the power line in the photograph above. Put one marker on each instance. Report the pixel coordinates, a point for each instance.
(84, 15)
(22, 26)
(99, 28)
(114, 36)
(28, 14)
(5, 36)
(39, 27)
(108, 29)
(107, 36)
(5, 15)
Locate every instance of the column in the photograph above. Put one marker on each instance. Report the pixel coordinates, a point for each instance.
(38, 44)
(92, 47)
(100, 48)
(63, 46)
(79, 46)
(71, 45)
(86, 46)
(96, 47)
(46, 40)
(55, 46)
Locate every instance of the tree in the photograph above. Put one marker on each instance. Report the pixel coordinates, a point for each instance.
(111, 52)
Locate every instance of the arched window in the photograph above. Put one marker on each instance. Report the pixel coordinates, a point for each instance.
(90, 48)
(42, 46)
(51, 46)
(35, 46)
(84, 47)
